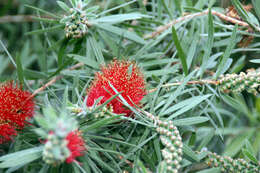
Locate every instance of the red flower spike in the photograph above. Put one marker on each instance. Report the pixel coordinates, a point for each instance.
(126, 77)
(16, 106)
(6, 133)
(76, 145)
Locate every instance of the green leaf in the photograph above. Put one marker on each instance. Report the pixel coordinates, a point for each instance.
(161, 72)
(141, 167)
(237, 143)
(21, 157)
(19, 69)
(257, 61)
(250, 156)
(63, 6)
(211, 170)
(73, 2)
(97, 50)
(173, 96)
(111, 42)
(206, 139)
(256, 4)
(121, 32)
(85, 60)
(117, 7)
(62, 67)
(209, 45)
(178, 5)
(167, 8)
(42, 11)
(92, 9)
(189, 154)
(118, 18)
(227, 53)
(249, 147)
(44, 19)
(50, 29)
(239, 8)
(32, 74)
(192, 49)
(181, 54)
(190, 121)
(4, 63)
(101, 123)
(61, 53)
(249, 152)
(162, 168)
(243, 13)
(7, 52)
(185, 105)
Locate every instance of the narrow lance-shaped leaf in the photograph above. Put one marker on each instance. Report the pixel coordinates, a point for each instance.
(121, 32)
(97, 50)
(181, 54)
(20, 70)
(43, 11)
(63, 6)
(209, 45)
(20, 157)
(256, 4)
(50, 29)
(227, 53)
(190, 121)
(118, 18)
(243, 13)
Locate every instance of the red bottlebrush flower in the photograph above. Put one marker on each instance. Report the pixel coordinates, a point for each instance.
(76, 145)
(6, 133)
(16, 106)
(126, 77)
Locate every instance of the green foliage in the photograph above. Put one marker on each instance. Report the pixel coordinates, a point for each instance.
(71, 40)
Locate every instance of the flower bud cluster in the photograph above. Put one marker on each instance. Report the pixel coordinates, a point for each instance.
(76, 24)
(62, 141)
(104, 112)
(249, 81)
(229, 165)
(171, 139)
(55, 149)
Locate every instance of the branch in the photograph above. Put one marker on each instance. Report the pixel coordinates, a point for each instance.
(201, 82)
(162, 28)
(54, 80)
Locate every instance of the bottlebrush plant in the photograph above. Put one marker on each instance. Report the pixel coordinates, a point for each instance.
(16, 108)
(129, 86)
(125, 77)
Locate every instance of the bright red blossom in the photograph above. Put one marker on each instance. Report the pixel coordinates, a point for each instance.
(16, 106)
(76, 145)
(126, 77)
(6, 132)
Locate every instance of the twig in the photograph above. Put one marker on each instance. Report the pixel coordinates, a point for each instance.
(54, 80)
(18, 18)
(76, 66)
(230, 19)
(162, 28)
(46, 85)
(201, 82)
